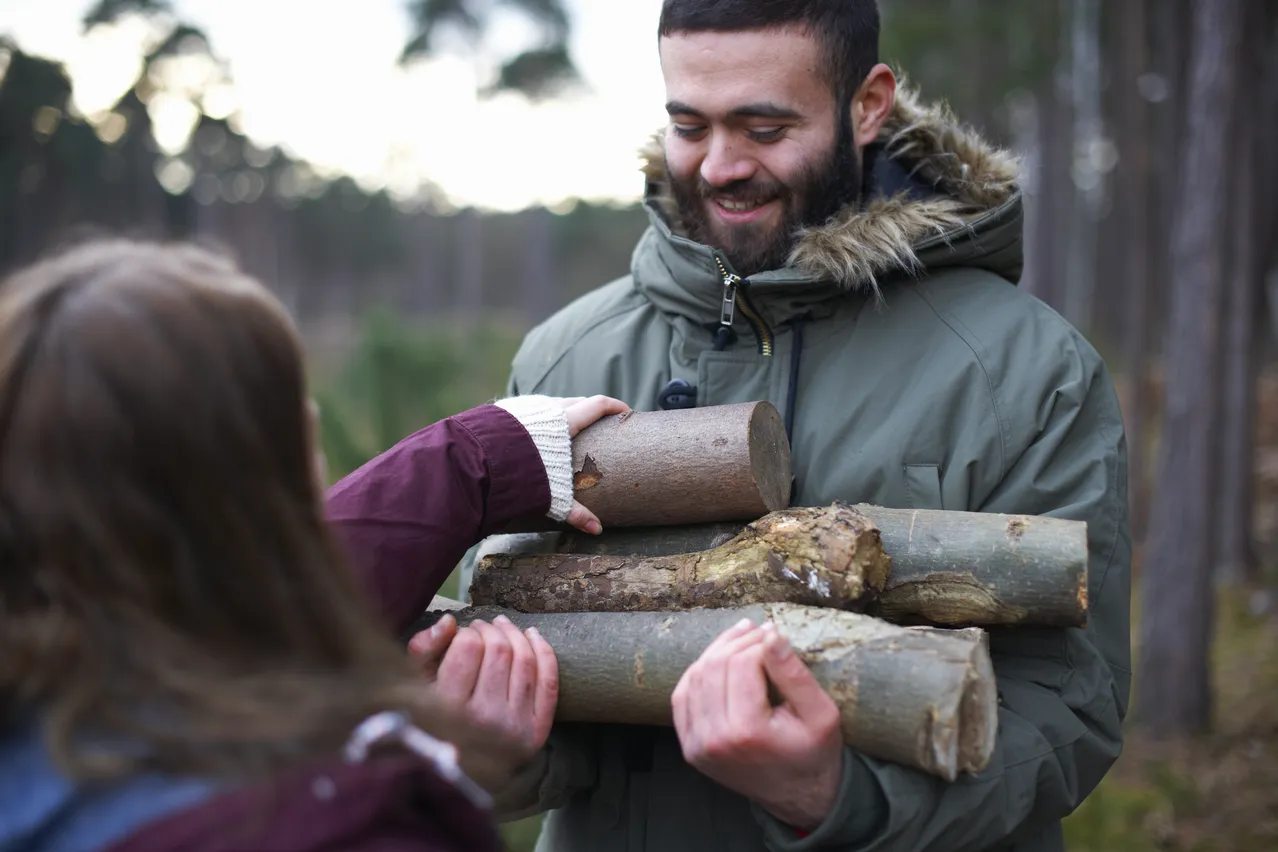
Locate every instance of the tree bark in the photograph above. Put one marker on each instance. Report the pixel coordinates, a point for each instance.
(1236, 560)
(688, 466)
(819, 557)
(1176, 588)
(1089, 179)
(922, 698)
(948, 568)
(1134, 184)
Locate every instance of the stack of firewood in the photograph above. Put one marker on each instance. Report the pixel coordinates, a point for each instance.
(885, 606)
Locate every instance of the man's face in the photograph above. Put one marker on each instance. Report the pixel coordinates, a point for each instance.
(757, 146)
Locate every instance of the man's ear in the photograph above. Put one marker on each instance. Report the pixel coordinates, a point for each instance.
(872, 104)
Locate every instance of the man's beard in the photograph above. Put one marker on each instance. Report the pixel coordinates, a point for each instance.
(819, 191)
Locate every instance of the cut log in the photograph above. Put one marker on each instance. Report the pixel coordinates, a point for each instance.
(947, 568)
(688, 466)
(821, 557)
(924, 698)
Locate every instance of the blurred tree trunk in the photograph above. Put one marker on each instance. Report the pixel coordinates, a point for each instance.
(1176, 589)
(1134, 189)
(1172, 26)
(1267, 127)
(1088, 179)
(1053, 185)
(537, 267)
(1236, 559)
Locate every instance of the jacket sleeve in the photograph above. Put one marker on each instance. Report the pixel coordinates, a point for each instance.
(1062, 692)
(407, 516)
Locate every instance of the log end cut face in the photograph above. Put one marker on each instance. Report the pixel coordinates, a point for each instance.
(770, 462)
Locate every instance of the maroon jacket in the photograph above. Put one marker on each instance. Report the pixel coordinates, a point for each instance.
(406, 519)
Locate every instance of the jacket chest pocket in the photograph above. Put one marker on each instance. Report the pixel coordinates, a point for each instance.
(923, 486)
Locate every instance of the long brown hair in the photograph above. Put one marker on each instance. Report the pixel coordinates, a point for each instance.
(170, 596)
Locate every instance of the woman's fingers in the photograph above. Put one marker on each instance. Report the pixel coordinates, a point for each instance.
(583, 413)
(584, 519)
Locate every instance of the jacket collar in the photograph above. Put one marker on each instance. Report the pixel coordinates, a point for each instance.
(937, 194)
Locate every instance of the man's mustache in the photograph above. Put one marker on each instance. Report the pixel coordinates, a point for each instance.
(749, 191)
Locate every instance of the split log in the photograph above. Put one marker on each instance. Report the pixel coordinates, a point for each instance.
(820, 557)
(948, 568)
(688, 466)
(924, 698)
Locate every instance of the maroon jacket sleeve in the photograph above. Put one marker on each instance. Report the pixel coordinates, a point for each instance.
(391, 804)
(408, 516)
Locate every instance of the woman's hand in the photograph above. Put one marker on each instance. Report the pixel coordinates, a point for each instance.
(582, 412)
(498, 677)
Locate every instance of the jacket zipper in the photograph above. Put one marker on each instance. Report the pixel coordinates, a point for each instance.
(736, 294)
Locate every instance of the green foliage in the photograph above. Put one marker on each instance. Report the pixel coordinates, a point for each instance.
(403, 376)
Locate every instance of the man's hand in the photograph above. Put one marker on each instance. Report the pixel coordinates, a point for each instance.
(582, 412)
(788, 758)
(495, 675)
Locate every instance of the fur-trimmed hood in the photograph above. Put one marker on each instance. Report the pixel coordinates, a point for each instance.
(945, 182)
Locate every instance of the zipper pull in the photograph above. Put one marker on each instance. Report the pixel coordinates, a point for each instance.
(729, 308)
(730, 283)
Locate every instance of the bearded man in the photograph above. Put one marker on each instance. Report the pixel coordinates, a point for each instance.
(822, 239)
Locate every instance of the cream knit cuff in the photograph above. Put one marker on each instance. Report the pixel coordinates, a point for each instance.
(546, 423)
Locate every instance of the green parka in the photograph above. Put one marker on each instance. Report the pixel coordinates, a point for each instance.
(916, 374)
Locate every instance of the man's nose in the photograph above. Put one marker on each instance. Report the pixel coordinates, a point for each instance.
(725, 164)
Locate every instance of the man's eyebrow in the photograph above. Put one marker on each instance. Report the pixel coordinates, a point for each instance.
(680, 108)
(760, 109)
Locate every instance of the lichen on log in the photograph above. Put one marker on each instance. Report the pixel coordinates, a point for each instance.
(924, 698)
(821, 557)
(948, 568)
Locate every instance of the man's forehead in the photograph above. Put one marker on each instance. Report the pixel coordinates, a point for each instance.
(743, 73)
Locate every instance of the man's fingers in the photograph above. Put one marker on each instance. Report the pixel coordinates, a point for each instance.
(727, 637)
(794, 681)
(546, 694)
(460, 668)
(748, 639)
(582, 414)
(746, 689)
(584, 519)
(708, 694)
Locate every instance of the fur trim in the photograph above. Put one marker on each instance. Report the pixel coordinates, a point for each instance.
(860, 244)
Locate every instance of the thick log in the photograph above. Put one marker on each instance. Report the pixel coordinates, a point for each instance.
(947, 568)
(820, 557)
(688, 466)
(924, 698)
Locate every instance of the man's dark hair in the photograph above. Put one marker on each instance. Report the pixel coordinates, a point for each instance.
(848, 29)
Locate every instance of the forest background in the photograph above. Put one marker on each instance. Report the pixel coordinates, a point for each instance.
(1147, 131)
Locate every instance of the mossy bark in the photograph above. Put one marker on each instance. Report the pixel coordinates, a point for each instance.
(822, 557)
(947, 568)
(924, 698)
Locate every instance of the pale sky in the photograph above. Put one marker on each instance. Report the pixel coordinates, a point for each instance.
(325, 85)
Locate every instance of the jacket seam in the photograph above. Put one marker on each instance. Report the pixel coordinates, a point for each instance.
(989, 378)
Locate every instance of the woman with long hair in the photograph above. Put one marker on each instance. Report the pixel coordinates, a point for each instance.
(187, 658)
